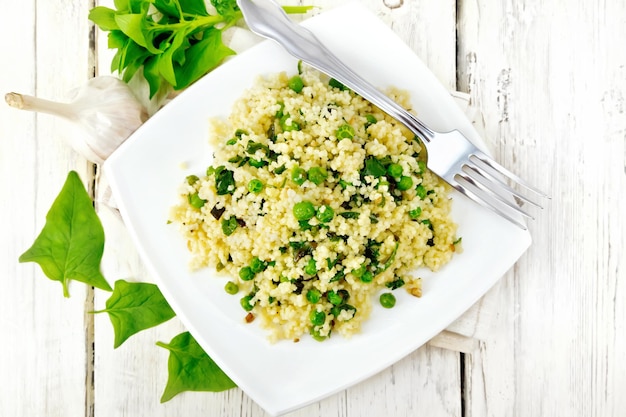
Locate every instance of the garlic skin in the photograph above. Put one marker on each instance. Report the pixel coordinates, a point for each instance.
(104, 107)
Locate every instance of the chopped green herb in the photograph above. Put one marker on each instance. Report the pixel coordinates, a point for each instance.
(395, 284)
(225, 182)
(229, 225)
(337, 84)
(373, 167)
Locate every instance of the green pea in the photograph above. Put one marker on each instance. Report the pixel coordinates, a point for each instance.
(195, 200)
(229, 225)
(387, 300)
(394, 170)
(317, 317)
(317, 175)
(335, 298)
(311, 267)
(231, 288)
(258, 265)
(345, 131)
(313, 296)
(298, 175)
(358, 273)
(421, 191)
(296, 83)
(257, 163)
(255, 186)
(422, 167)
(367, 276)
(405, 183)
(315, 334)
(304, 210)
(325, 214)
(246, 273)
(415, 213)
(246, 302)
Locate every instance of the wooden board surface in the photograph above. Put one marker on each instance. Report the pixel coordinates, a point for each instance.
(548, 79)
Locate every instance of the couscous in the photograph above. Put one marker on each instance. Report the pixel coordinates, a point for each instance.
(315, 202)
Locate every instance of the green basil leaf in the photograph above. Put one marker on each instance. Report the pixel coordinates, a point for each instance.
(71, 243)
(225, 7)
(166, 64)
(152, 75)
(197, 7)
(168, 7)
(131, 6)
(191, 369)
(116, 39)
(135, 306)
(103, 17)
(133, 26)
(202, 58)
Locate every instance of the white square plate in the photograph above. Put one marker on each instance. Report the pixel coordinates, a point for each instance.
(145, 173)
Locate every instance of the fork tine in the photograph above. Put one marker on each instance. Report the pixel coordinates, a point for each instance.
(499, 169)
(491, 188)
(489, 180)
(474, 192)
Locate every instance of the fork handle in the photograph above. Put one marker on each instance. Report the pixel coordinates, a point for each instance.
(304, 45)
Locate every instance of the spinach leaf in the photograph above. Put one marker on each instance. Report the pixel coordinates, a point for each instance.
(135, 306)
(202, 57)
(191, 369)
(225, 182)
(373, 167)
(71, 243)
(175, 46)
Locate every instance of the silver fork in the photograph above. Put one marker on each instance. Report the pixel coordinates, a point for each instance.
(450, 155)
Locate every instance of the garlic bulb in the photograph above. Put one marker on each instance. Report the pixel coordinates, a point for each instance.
(104, 107)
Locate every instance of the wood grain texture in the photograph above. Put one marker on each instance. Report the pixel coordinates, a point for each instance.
(43, 369)
(549, 79)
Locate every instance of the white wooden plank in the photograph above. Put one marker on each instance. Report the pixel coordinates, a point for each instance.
(549, 80)
(42, 366)
(132, 377)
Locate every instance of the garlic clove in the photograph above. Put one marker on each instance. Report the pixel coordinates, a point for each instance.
(104, 107)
